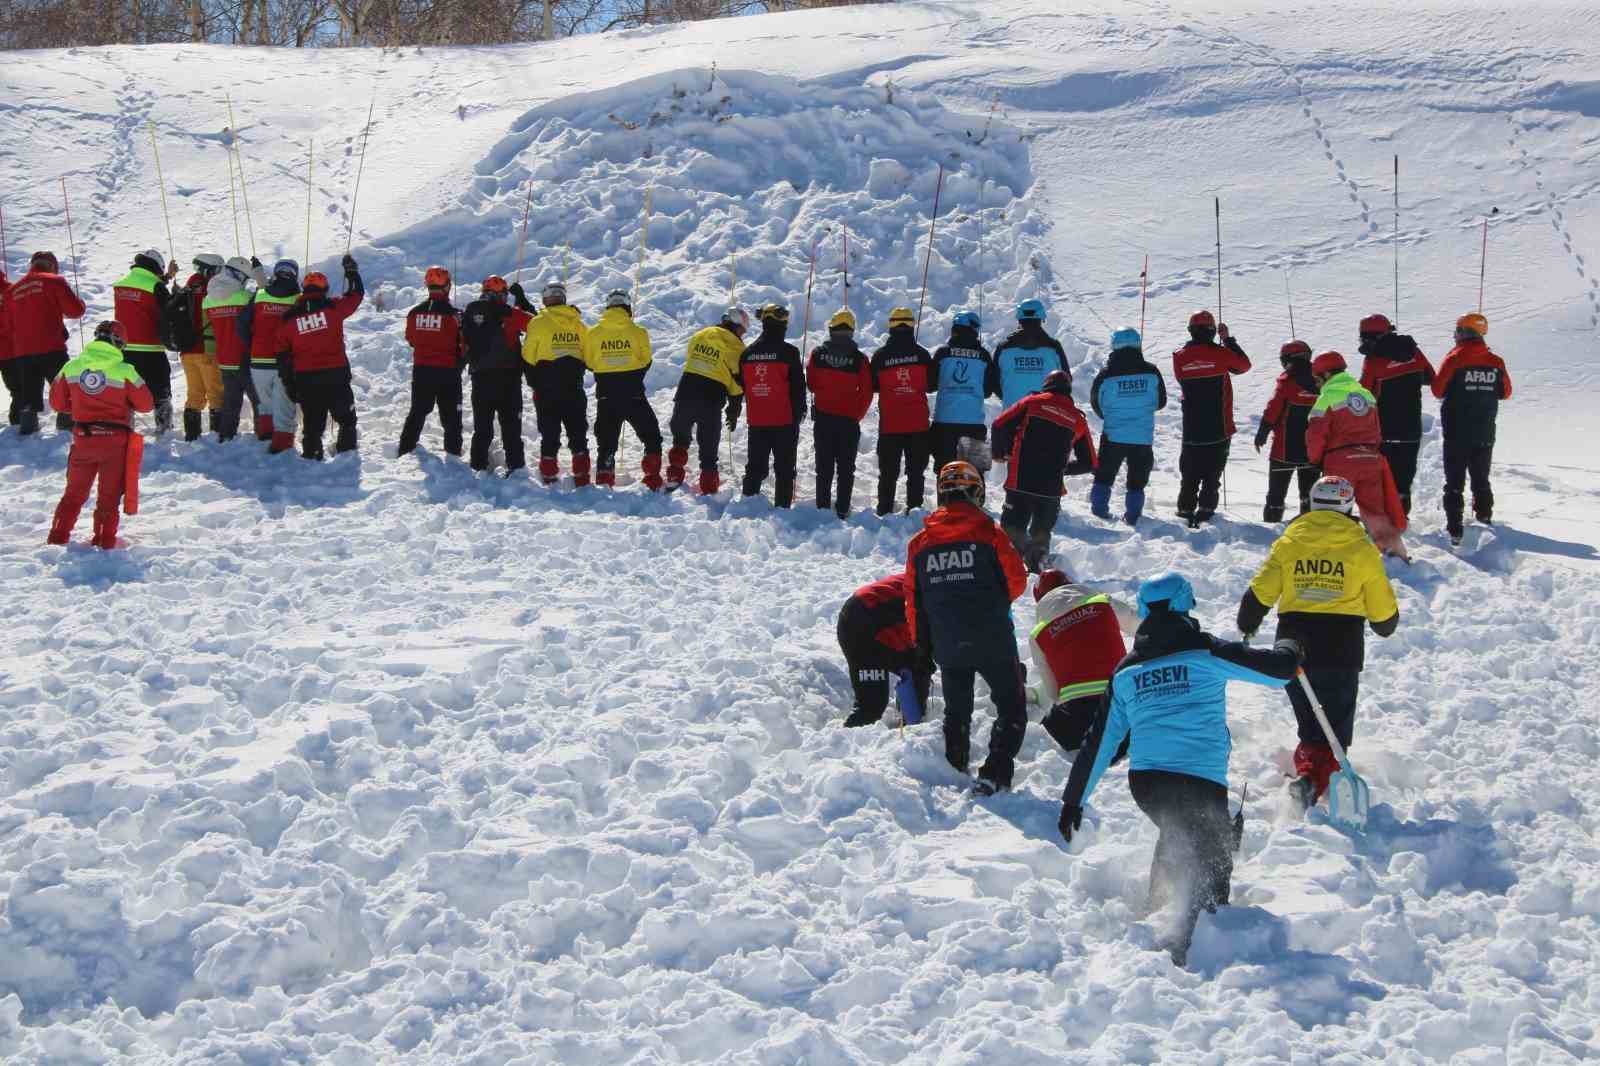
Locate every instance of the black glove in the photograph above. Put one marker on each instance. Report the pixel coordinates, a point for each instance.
(1294, 647)
(349, 264)
(517, 291)
(1071, 820)
(255, 263)
(735, 405)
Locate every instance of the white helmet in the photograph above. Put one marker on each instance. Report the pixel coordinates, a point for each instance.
(208, 263)
(154, 255)
(554, 294)
(238, 266)
(619, 298)
(738, 319)
(1333, 494)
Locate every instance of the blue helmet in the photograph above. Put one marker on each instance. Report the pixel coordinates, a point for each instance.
(1030, 311)
(1171, 589)
(1126, 338)
(286, 268)
(968, 319)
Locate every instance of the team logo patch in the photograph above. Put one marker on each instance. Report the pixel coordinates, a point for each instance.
(1357, 403)
(92, 382)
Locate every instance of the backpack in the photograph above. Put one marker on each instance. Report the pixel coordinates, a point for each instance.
(176, 326)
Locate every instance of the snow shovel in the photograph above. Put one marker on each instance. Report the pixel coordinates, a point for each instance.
(1349, 798)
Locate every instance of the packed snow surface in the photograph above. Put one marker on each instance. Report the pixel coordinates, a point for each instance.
(382, 761)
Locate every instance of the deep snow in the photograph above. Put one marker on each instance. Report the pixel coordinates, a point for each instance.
(381, 761)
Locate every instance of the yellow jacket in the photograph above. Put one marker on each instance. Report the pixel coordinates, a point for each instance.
(714, 353)
(1325, 564)
(616, 344)
(556, 333)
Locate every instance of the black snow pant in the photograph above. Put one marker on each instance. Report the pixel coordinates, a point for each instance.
(1279, 475)
(1141, 459)
(1200, 468)
(497, 395)
(1402, 456)
(874, 668)
(779, 446)
(697, 418)
(38, 371)
(1193, 864)
(433, 387)
(156, 369)
(1029, 520)
(946, 438)
(1069, 723)
(1004, 677)
(561, 407)
(1460, 462)
(892, 449)
(13, 374)
(324, 394)
(610, 412)
(1337, 690)
(238, 383)
(836, 438)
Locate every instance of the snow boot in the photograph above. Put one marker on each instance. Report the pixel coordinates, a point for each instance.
(346, 440)
(605, 479)
(652, 471)
(1483, 509)
(163, 416)
(214, 422)
(1100, 500)
(105, 532)
(281, 442)
(710, 482)
(191, 425)
(27, 422)
(58, 535)
(1133, 506)
(580, 470)
(1272, 513)
(549, 471)
(1303, 790)
(677, 466)
(783, 493)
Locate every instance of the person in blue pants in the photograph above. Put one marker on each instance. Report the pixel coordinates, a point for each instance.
(963, 377)
(1170, 693)
(1027, 357)
(1126, 395)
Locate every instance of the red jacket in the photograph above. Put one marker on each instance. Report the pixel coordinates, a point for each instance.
(1082, 647)
(39, 303)
(1043, 437)
(839, 375)
(889, 594)
(433, 329)
(139, 312)
(311, 335)
(98, 389)
(1471, 384)
(962, 572)
(1285, 418)
(1348, 423)
(1204, 371)
(6, 351)
(902, 378)
(223, 319)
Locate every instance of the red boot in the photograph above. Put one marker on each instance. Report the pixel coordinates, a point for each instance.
(281, 442)
(677, 466)
(263, 427)
(105, 531)
(580, 470)
(710, 481)
(652, 471)
(549, 471)
(606, 479)
(59, 536)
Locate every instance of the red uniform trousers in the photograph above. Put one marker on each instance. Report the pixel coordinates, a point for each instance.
(1377, 497)
(103, 455)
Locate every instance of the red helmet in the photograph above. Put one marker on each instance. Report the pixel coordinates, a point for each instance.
(494, 283)
(1376, 324)
(1058, 381)
(1049, 581)
(437, 277)
(1328, 363)
(44, 262)
(112, 332)
(316, 281)
(1202, 320)
(1294, 350)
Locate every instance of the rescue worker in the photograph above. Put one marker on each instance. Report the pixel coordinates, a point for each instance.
(1470, 384)
(879, 650)
(433, 329)
(902, 376)
(257, 326)
(964, 375)
(1328, 583)
(313, 362)
(1284, 421)
(39, 301)
(1077, 641)
(774, 386)
(617, 351)
(839, 376)
(1126, 395)
(962, 574)
(1168, 699)
(226, 298)
(99, 391)
(1342, 438)
(553, 350)
(1028, 356)
(707, 385)
(491, 330)
(10, 367)
(201, 376)
(138, 300)
(1041, 439)
(1204, 370)
(1396, 373)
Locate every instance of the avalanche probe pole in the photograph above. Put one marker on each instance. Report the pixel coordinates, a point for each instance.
(1144, 284)
(1217, 202)
(847, 266)
(522, 241)
(1483, 261)
(928, 259)
(811, 273)
(1397, 240)
(244, 190)
(5, 252)
(233, 198)
(644, 242)
(1289, 299)
(72, 246)
(360, 166)
(171, 255)
(311, 152)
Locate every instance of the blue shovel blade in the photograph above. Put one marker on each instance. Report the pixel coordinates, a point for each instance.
(1349, 799)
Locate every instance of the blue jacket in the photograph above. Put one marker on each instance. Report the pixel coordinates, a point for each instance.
(963, 374)
(1126, 395)
(1171, 693)
(1024, 358)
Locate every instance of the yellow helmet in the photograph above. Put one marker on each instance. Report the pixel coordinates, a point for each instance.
(1475, 322)
(843, 319)
(902, 316)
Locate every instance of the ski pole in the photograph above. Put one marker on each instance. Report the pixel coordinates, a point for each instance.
(522, 241)
(244, 190)
(1483, 261)
(644, 242)
(928, 259)
(1144, 284)
(1397, 240)
(361, 165)
(163, 183)
(311, 151)
(1218, 202)
(72, 246)
(233, 198)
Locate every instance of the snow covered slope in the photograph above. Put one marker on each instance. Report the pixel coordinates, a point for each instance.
(381, 761)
